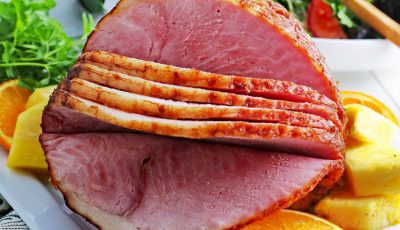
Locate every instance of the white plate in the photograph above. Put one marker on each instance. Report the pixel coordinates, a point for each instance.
(358, 54)
(35, 200)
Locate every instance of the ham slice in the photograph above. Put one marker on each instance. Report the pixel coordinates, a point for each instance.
(135, 103)
(145, 87)
(267, 88)
(302, 140)
(248, 38)
(137, 181)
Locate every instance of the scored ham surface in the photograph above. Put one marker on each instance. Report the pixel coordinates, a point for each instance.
(145, 87)
(268, 88)
(135, 103)
(248, 38)
(315, 142)
(138, 181)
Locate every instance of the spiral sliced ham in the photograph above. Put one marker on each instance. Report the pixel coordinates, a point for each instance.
(138, 181)
(218, 113)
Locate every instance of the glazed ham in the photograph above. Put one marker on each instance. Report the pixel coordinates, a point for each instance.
(87, 111)
(138, 181)
(193, 114)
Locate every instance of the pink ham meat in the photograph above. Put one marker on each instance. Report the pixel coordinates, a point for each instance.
(135, 103)
(302, 140)
(137, 181)
(153, 89)
(248, 38)
(267, 88)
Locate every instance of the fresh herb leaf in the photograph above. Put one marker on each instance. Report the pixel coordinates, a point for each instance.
(344, 17)
(33, 46)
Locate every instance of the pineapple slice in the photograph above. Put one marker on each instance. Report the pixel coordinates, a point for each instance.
(39, 95)
(369, 126)
(348, 211)
(26, 151)
(373, 170)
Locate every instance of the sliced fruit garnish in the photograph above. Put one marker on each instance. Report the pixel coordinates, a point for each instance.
(373, 170)
(351, 97)
(322, 21)
(368, 126)
(26, 151)
(348, 211)
(12, 102)
(289, 219)
(40, 95)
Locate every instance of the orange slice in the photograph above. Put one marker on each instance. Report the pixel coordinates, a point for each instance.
(350, 97)
(288, 219)
(12, 102)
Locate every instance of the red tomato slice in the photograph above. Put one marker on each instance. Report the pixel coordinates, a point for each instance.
(322, 22)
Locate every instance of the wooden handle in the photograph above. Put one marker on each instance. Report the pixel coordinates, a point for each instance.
(378, 20)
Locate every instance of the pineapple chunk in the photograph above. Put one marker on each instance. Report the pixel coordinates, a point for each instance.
(39, 95)
(348, 211)
(369, 126)
(26, 151)
(373, 170)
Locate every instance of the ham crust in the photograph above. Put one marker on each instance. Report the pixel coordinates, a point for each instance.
(286, 24)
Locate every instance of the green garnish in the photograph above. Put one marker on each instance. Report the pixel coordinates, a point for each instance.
(345, 17)
(33, 46)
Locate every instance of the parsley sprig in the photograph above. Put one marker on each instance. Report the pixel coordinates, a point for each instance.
(33, 46)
